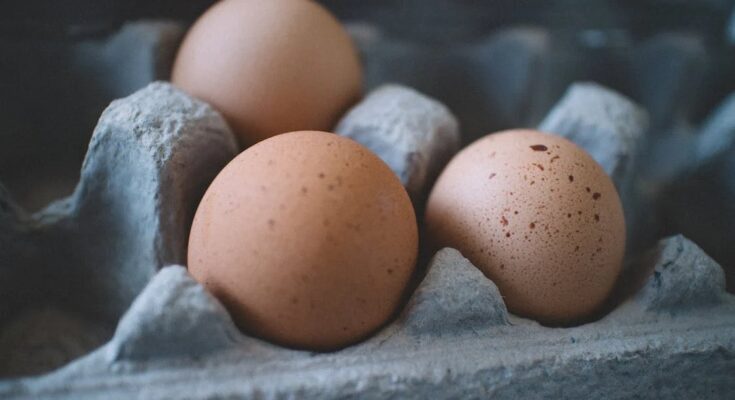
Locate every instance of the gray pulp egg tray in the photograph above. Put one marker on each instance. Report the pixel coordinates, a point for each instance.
(94, 303)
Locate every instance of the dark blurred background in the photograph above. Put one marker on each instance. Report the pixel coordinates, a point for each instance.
(457, 19)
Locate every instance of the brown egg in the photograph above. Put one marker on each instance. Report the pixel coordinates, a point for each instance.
(270, 66)
(308, 239)
(538, 216)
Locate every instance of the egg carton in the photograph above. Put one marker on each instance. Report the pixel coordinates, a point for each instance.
(97, 271)
(454, 338)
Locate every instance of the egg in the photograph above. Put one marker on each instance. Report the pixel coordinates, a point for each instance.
(538, 216)
(308, 239)
(270, 66)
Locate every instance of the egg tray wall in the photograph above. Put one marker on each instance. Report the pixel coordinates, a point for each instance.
(93, 272)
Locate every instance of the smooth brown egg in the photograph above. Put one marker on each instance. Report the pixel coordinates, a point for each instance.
(270, 66)
(538, 216)
(308, 238)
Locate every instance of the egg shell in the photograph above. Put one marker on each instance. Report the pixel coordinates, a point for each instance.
(538, 216)
(270, 66)
(308, 238)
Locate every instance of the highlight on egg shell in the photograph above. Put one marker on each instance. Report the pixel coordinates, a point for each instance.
(270, 66)
(538, 216)
(308, 239)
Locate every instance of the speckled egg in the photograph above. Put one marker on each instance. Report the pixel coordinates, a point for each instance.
(538, 216)
(308, 239)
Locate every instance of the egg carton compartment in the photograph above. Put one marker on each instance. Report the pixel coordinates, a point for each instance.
(150, 160)
(53, 91)
(73, 274)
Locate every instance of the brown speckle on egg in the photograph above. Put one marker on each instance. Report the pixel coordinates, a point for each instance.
(542, 265)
